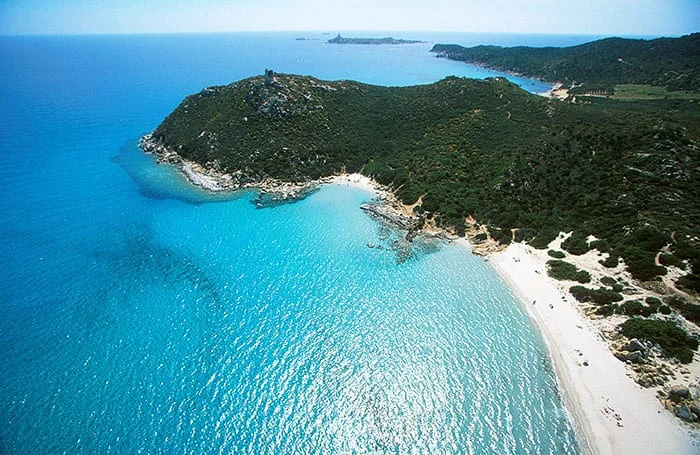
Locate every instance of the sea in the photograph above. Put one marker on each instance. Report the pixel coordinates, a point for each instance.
(141, 315)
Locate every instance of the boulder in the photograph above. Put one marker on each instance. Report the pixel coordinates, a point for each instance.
(634, 357)
(684, 413)
(621, 355)
(678, 393)
(695, 408)
(636, 345)
(649, 380)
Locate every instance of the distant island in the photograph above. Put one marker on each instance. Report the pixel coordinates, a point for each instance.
(341, 40)
(596, 67)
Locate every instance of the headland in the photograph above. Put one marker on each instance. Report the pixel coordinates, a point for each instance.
(509, 172)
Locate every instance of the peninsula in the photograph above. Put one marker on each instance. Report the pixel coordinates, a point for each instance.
(341, 40)
(473, 152)
(599, 198)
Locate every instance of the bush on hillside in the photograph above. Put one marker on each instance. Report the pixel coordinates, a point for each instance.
(556, 254)
(600, 296)
(576, 244)
(674, 341)
(561, 270)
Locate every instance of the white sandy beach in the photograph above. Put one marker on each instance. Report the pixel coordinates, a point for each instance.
(612, 413)
(358, 181)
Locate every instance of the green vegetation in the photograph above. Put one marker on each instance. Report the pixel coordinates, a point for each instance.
(686, 251)
(671, 63)
(624, 172)
(561, 270)
(636, 92)
(577, 243)
(671, 338)
(612, 283)
(671, 260)
(608, 281)
(690, 311)
(556, 254)
(632, 308)
(544, 237)
(611, 261)
(635, 308)
(690, 282)
(606, 310)
(653, 303)
(600, 296)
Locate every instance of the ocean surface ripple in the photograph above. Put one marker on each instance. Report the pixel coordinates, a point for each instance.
(139, 315)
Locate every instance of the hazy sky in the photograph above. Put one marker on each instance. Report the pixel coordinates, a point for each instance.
(602, 17)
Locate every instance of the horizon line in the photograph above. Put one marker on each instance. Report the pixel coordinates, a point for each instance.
(224, 32)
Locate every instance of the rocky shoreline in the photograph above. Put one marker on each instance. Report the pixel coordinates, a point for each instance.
(386, 208)
(211, 178)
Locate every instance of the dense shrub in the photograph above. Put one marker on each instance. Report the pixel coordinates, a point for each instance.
(544, 237)
(561, 270)
(690, 311)
(409, 193)
(610, 262)
(653, 303)
(671, 338)
(639, 251)
(671, 260)
(576, 243)
(556, 254)
(595, 66)
(664, 309)
(600, 245)
(690, 282)
(523, 235)
(499, 235)
(635, 308)
(480, 237)
(642, 263)
(600, 296)
(606, 310)
(608, 281)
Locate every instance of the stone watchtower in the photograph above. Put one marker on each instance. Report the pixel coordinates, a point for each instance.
(269, 77)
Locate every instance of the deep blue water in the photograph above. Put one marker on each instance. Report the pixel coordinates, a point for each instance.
(139, 315)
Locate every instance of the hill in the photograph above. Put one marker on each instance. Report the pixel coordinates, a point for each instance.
(673, 63)
(525, 166)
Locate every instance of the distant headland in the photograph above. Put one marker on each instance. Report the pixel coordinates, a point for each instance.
(341, 40)
(600, 67)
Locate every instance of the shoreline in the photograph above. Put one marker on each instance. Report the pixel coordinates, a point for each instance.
(612, 414)
(213, 180)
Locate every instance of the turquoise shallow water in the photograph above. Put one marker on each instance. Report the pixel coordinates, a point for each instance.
(139, 315)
